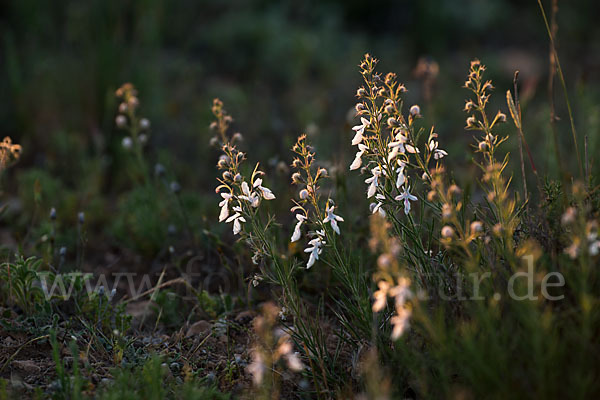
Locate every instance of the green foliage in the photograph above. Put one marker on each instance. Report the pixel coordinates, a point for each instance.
(141, 220)
(153, 380)
(19, 279)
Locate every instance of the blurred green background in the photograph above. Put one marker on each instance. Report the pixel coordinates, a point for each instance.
(281, 67)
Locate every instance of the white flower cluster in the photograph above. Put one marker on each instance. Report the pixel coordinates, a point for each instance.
(248, 197)
(401, 293)
(315, 245)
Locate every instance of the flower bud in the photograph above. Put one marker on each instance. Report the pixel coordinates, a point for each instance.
(415, 111)
(175, 187)
(303, 194)
(446, 211)
(482, 146)
(159, 170)
(144, 123)
(53, 214)
(237, 137)
(127, 143)
(143, 139)
(392, 122)
(476, 227)
(361, 92)
(123, 108)
(121, 121)
(454, 190)
(227, 175)
(447, 232)
(296, 178)
(81, 217)
(237, 177)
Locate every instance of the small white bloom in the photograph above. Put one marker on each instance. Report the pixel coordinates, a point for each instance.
(332, 218)
(237, 219)
(401, 177)
(407, 198)
(250, 197)
(400, 321)
(297, 233)
(397, 146)
(127, 143)
(224, 204)
(257, 368)
(378, 207)
(381, 296)
(315, 248)
(401, 292)
(373, 181)
(358, 158)
(267, 194)
(437, 153)
(360, 130)
(293, 362)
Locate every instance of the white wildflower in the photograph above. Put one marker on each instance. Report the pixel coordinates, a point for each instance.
(249, 196)
(378, 207)
(315, 248)
(267, 194)
(297, 233)
(400, 321)
(437, 153)
(358, 158)
(257, 368)
(332, 218)
(237, 219)
(373, 181)
(398, 146)
(407, 198)
(401, 180)
(381, 296)
(360, 130)
(224, 204)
